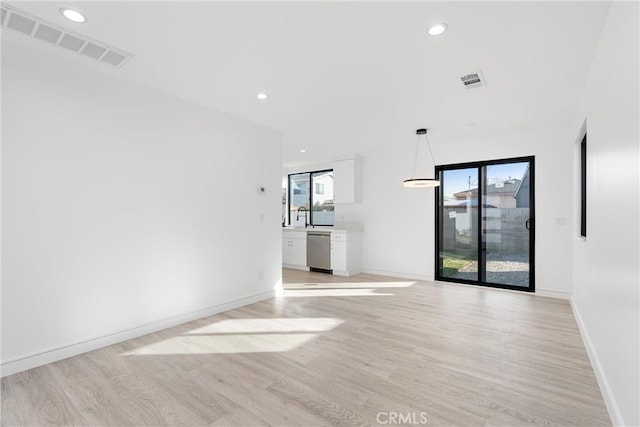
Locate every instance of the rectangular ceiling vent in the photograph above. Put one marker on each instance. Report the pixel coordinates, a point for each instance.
(473, 80)
(16, 20)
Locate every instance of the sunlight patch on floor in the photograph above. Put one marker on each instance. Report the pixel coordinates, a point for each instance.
(224, 344)
(347, 285)
(262, 335)
(296, 324)
(288, 293)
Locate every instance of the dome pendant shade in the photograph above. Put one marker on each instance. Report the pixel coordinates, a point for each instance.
(414, 182)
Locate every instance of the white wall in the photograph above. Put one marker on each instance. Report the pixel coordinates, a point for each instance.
(399, 222)
(605, 264)
(123, 207)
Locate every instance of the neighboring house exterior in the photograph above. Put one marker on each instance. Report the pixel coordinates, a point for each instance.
(522, 192)
(506, 204)
(323, 189)
(499, 195)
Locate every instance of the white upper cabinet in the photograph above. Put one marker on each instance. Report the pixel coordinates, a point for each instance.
(347, 180)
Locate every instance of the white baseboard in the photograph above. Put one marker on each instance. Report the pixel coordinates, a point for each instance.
(552, 294)
(341, 273)
(538, 293)
(34, 360)
(295, 267)
(609, 400)
(398, 274)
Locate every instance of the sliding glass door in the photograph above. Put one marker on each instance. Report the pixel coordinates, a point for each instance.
(484, 223)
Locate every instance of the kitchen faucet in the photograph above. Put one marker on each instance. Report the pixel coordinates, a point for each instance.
(302, 208)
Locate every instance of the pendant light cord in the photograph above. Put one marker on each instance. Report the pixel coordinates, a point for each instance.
(433, 159)
(414, 182)
(415, 158)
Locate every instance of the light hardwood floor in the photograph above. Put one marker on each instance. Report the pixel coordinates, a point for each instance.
(333, 351)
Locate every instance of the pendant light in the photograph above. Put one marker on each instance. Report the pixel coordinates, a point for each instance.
(414, 182)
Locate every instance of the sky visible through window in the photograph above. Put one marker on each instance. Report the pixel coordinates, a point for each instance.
(458, 180)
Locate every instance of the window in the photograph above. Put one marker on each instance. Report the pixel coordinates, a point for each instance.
(308, 207)
(583, 187)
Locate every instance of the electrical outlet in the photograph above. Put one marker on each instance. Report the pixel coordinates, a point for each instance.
(260, 275)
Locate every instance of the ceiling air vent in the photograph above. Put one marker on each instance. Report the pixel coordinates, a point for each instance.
(473, 80)
(16, 20)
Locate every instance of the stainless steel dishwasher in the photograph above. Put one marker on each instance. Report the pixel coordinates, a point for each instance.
(319, 251)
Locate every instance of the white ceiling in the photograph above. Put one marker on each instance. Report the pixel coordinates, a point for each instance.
(323, 63)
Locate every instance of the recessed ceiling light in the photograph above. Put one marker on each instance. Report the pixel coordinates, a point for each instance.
(73, 15)
(437, 29)
(262, 96)
(303, 151)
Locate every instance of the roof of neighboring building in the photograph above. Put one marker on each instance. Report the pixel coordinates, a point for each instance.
(471, 203)
(508, 187)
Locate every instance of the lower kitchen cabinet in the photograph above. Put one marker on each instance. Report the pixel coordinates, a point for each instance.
(346, 252)
(338, 256)
(294, 250)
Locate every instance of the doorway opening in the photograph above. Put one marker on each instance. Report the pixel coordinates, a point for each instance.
(485, 224)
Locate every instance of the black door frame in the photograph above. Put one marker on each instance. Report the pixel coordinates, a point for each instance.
(482, 251)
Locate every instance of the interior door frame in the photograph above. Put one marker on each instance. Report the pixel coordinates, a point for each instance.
(481, 256)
